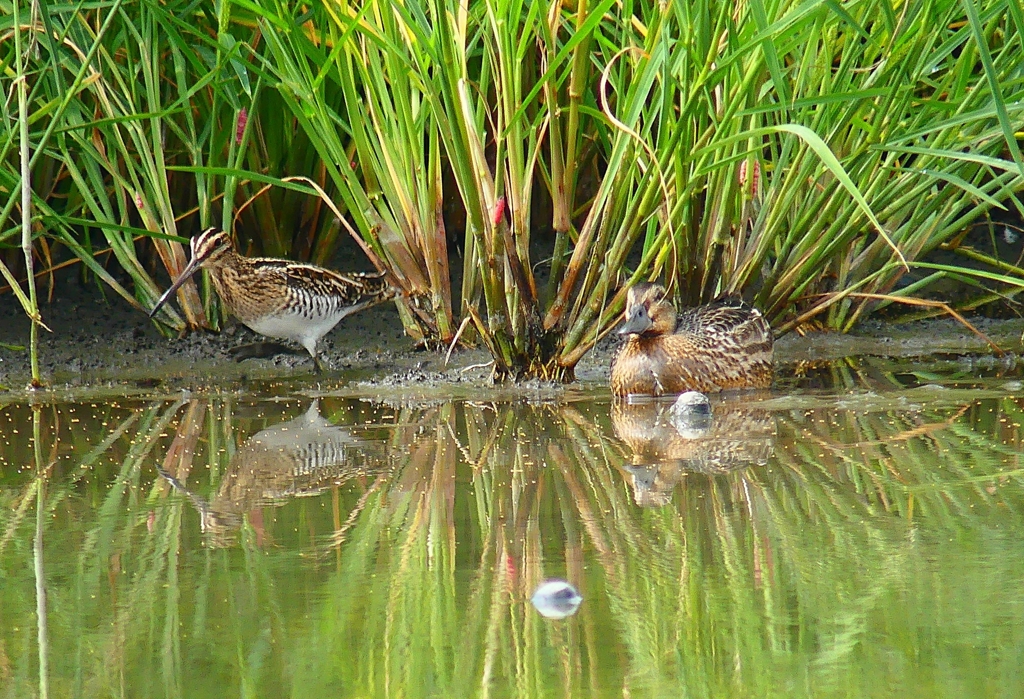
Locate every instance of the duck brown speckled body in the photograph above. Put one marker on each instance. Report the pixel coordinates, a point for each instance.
(725, 344)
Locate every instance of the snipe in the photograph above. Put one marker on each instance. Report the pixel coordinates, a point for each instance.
(280, 298)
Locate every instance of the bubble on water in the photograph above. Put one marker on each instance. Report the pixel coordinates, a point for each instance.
(556, 599)
(691, 415)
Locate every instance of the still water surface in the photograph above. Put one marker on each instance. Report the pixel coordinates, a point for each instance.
(857, 541)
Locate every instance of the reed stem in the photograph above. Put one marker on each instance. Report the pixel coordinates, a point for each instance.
(32, 309)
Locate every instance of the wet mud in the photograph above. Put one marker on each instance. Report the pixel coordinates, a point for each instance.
(102, 343)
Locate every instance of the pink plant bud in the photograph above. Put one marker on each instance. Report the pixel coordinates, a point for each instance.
(499, 210)
(754, 179)
(138, 202)
(243, 119)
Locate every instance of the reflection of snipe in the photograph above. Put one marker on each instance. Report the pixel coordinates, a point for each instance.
(301, 457)
(664, 450)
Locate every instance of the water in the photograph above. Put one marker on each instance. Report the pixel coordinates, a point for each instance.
(857, 541)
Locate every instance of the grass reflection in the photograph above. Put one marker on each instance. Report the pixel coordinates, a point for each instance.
(816, 546)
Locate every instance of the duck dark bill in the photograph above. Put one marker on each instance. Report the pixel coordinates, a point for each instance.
(637, 322)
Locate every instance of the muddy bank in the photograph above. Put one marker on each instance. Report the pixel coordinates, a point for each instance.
(98, 341)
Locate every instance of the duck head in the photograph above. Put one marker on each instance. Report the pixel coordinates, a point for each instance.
(648, 311)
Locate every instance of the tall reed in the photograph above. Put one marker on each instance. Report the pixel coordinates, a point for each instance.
(141, 122)
(810, 157)
(29, 302)
(793, 153)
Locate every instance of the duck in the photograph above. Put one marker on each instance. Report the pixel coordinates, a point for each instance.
(726, 344)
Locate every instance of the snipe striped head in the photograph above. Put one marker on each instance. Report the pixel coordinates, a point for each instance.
(210, 245)
(207, 247)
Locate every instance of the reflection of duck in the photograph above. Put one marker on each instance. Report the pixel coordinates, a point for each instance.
(665, 448)
(303, 456)
(725, 344)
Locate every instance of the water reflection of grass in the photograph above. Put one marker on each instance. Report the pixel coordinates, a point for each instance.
(797, 570)
(871, 555)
